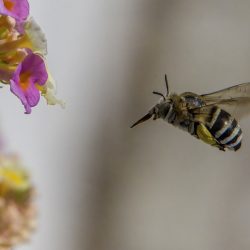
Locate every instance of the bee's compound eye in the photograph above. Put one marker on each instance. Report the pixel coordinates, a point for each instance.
(163, 110)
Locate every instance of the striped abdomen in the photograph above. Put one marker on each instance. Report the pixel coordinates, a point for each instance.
(225, 129)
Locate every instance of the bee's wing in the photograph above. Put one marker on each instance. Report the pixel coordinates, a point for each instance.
(235, 100)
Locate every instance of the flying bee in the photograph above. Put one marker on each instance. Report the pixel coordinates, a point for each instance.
(211, 117)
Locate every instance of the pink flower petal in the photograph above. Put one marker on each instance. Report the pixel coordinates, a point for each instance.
(18, 9)
(16, 90)
(30, 73)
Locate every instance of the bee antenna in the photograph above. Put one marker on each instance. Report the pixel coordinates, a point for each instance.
(160, 94)
(166, 81)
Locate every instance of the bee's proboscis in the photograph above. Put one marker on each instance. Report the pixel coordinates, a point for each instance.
(143, 119)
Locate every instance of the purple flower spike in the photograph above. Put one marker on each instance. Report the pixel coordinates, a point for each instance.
(18, 9)
(28, 79)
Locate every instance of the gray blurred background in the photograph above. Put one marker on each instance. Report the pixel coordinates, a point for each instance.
(104, 186)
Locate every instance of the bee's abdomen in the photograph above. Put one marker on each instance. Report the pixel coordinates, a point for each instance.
(225, 129)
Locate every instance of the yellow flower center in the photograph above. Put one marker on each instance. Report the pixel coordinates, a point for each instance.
(13, 178)
(9, 5)
(25, 80)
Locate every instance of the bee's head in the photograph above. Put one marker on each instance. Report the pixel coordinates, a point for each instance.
(159, 109)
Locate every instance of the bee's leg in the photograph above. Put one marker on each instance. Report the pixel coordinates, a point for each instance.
(221, 147)
(204, 134)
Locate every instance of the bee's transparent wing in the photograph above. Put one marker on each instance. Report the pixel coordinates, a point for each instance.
(235, 100)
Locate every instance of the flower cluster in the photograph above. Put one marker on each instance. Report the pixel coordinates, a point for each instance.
(17, 211)
(23, 48)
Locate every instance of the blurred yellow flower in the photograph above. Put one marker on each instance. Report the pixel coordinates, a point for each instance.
(17, 209)
(14, 178)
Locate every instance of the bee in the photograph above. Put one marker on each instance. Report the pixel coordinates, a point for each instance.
(212, 118)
